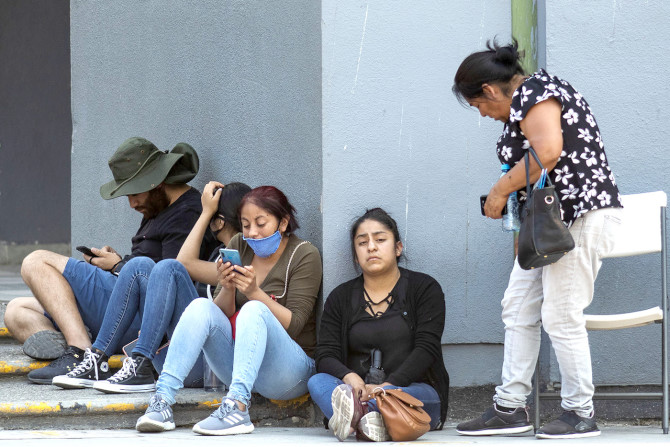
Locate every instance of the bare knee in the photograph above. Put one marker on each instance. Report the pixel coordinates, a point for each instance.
(25, 316)
(39, 259)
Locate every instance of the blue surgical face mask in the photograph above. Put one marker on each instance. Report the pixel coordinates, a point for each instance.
(265, 247)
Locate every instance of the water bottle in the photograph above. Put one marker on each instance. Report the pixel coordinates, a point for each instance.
(510, 221)
(211, 381)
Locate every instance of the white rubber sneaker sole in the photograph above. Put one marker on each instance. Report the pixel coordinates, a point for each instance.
(497, 431)
(72, 383)
(234, 430)
(342, 401)
(373, 427)
(148, 425)
(589, 434)
(113, 388)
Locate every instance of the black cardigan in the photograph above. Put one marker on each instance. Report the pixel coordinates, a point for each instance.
(424, 312)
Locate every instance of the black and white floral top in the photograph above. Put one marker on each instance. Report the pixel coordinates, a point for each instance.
(582, 176)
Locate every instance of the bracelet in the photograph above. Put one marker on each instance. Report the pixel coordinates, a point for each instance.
(114, 267)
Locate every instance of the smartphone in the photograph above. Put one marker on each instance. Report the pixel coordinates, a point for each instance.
(230, 255)
(482, 202)
(87, 251)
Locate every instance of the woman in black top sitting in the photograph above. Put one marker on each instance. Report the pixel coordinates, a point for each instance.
(387, 312)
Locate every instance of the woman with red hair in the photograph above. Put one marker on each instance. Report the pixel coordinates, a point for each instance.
(259, 333)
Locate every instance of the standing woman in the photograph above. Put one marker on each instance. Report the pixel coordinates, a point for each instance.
(546, 113)
(269, 349)
(397, 312)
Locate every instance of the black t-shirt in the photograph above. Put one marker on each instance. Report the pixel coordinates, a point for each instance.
(582, 176)
(162, 236)
(390, 333)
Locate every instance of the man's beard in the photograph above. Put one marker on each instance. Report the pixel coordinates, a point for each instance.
(156, 202)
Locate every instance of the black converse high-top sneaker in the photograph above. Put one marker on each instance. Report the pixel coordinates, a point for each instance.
(136, 376)
(92, 368)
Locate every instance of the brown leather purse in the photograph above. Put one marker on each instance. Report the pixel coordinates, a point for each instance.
(403, 414)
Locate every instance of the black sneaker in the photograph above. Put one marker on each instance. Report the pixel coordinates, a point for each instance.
(62, 365)
(136, 376)
(92, 368)
(45, 345)
(569, 426)
(495, 422)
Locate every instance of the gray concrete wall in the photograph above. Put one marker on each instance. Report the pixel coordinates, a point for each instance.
(238, 80)
(35, 126)
(395, 137)
(621, 67)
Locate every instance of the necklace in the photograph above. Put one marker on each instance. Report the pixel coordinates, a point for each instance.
(369, 303)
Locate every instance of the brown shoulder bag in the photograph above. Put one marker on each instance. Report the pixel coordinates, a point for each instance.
(403, 414)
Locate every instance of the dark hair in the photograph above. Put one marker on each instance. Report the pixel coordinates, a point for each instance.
(229, 203)
(496, 65)
(274, 202)
(378, 215)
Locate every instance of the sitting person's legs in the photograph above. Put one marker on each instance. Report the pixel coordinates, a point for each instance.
(120, 326)
(74, 295)
(43, 273)
(160, 298)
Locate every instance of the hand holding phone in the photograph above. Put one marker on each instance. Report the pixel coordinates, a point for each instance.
(87, 251)
(482, 202)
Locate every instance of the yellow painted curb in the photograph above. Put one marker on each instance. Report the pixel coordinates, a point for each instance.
(46, 408)
(291, 403)
(15, 367)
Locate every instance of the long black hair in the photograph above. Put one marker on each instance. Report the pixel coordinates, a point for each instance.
(229, 203)
(495, 65)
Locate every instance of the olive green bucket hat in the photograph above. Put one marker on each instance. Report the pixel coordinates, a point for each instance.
(138, 166)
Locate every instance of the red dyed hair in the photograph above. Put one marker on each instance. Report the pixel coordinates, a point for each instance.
(274, 202)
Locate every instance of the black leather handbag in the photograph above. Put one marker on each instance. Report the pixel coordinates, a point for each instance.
(543, 237)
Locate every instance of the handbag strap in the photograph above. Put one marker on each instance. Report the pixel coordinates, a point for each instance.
(539, 163)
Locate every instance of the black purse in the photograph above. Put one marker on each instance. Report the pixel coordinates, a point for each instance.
(543, 237)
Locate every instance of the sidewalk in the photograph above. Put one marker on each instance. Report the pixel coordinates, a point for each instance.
(613, 435)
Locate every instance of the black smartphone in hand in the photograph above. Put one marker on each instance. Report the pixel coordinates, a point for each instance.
(87, 251)
(482, 202)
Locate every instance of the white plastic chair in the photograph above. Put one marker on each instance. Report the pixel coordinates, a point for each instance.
(642, 231)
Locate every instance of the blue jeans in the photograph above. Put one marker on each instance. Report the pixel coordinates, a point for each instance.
(158, 293)
(262, 358)
(93, 289)
(321, 387)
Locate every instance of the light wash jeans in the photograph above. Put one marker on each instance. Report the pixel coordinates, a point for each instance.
(321, 387)
(158, 294)
(262, 358)
(555, 297)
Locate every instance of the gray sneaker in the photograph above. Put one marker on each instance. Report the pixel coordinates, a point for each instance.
(45, 345)
(226, 420)
(157, 418)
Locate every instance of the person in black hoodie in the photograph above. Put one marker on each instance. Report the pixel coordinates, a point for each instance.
(388, 312)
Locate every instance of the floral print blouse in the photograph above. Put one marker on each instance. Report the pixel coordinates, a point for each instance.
(582, 176)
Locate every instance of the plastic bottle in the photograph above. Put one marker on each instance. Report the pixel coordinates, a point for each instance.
(510, 221)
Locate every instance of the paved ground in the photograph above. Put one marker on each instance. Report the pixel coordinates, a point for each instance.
(270, 436)
(11, 284)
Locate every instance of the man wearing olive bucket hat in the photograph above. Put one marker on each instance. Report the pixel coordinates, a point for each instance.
(71, 295)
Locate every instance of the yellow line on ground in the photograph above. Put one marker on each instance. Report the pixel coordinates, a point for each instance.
(291, 403)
